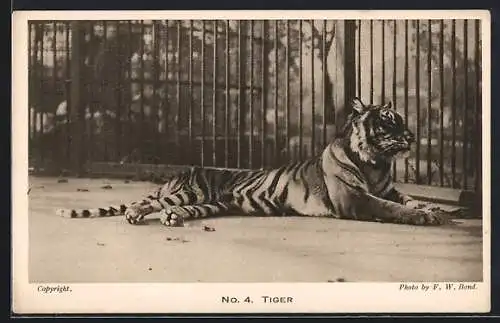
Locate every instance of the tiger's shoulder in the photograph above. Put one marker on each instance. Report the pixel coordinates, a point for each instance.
(336, 164)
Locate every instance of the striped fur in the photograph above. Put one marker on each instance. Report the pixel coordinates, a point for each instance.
(350, 179)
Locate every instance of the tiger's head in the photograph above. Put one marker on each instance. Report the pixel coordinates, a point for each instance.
(377, 133)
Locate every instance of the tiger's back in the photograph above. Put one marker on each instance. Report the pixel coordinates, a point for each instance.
(296, 188)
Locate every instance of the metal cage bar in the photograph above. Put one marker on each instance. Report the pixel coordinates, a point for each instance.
(202, 94)
(313, 95)
(417, 95)
(214, 97)
(429, 103)
(264, 84)
(406, 80)
(251, 107)
(465, 118)
(228, 99)
(441, 103)
(453, 105)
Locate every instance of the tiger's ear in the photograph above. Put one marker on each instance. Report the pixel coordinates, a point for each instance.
(358, 106)
(388, 105)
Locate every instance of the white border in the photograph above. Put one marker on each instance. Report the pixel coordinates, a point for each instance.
(206, 297)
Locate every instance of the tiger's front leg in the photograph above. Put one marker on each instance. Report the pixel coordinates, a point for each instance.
(398, 197)
(136, 212)
(175, 215)
(389, 211)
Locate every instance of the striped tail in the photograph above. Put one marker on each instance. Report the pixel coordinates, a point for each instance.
(112, 210)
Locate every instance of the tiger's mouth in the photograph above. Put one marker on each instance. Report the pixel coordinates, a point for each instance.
(397, 150)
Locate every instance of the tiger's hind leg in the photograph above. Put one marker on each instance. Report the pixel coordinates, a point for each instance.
(136, 212)
(174, 216)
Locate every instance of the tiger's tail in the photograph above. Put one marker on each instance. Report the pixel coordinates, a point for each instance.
(111, 210)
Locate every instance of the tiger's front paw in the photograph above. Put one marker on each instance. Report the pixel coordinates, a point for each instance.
(421, 217)
(169, 217)
(133, 215)
(414, 204)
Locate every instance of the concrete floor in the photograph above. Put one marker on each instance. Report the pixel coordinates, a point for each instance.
(241, 249)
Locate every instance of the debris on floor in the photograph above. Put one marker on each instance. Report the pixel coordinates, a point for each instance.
(208, 229)
(338, 280)
(176, 239)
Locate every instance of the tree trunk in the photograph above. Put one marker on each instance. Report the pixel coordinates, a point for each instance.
(341, 77)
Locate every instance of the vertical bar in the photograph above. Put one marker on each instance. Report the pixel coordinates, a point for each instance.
(132, 144)
(30, 95)
(118, 95)
(406, 79)
(287, 88)
(478, 137)
(453, 105)
(251, 143)
(323, 66)
(89, 86)
(202, 104)
(190, 85)
(54, 55)
(300, 91)
(54, 83)
(157, 145)
(166, 87)
(394, 81)
(102, 99)
(359, 59)
(441, 102)
(42, 86)
(263, 83)
(371, 61)
(214, 99)
(313, 94)
(276, 79)
(417, 93)
(382, 95)
(178, 86)
(36, 83)
(429, 104)
(240, 90)
(68, 91)
(465, 105)
(76, 138)
(141, 85)
(228, 97)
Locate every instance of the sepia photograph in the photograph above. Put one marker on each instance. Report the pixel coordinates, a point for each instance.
(293, 157)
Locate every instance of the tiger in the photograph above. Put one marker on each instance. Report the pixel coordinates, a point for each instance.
(350, 179)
